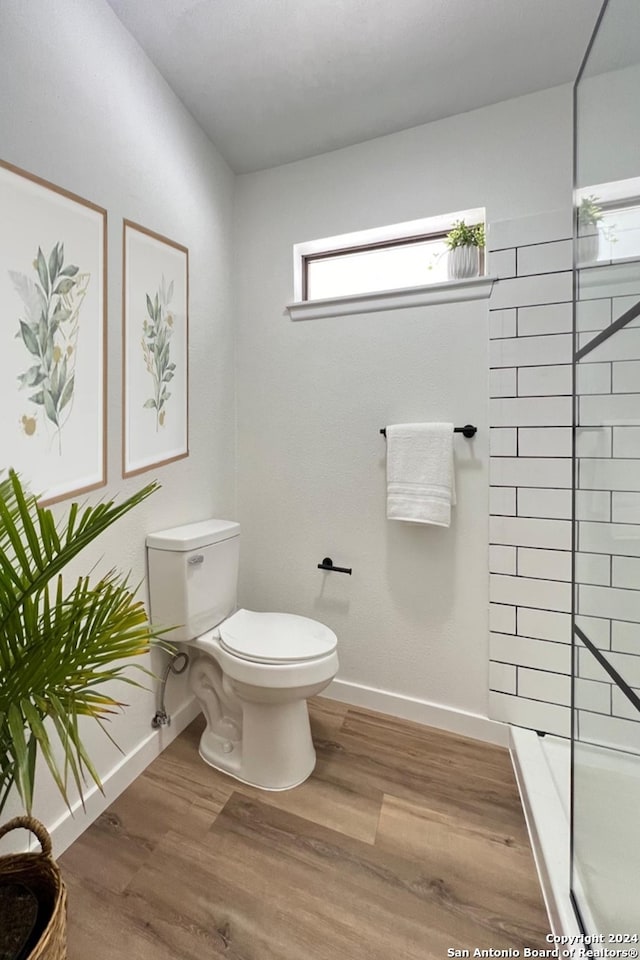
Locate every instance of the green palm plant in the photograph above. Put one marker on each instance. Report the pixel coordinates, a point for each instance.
(57, 647)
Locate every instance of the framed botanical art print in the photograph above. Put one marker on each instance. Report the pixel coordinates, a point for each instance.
(155, 350)
(53, 357)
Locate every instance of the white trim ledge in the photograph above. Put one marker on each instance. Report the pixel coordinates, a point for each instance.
(453, 291)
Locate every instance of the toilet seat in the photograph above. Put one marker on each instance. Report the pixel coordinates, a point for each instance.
(287, 637)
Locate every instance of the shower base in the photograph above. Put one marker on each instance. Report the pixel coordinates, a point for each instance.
(608, 783)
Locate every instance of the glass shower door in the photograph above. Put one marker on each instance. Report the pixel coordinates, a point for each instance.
(605, 868)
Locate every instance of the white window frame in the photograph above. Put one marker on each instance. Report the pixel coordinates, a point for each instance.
(611, 193)
(611, 196)
(412, 229)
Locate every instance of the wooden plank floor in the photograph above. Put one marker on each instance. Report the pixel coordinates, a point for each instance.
(404, 843)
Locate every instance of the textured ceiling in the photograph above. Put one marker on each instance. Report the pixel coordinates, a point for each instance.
(272, 81)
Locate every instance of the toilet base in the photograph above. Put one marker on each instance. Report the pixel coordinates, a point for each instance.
(276, 751)
(249, 783)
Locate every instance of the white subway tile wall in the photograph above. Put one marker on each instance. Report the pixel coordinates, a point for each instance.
(626, 376)
(545, 257)
(539, 471)
(540, 502)
(502, 677)
(545, 564)
(538, 654)
(593, 504)
(545, 717)
(502, 263)
(593, 378)
(530, 562)
(502, 559)
(503, 443)
(626, 637)
(544, 442)
(503, 382)
(520, 531)
(592, 568)
(502, 501)
(623, 346)
(593, 315)
(541, 685)
(527, 291)
(525, 231)
(621, 706)
(597, 629)
(552, 380)
(532, 351)
(609, 731)
(536, 321)
(502, 323)
(502, 618)
(593, 696)
(545, 625)
(530, 592)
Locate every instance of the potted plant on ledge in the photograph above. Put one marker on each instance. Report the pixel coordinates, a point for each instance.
(57, 648)
(589, 217)
(465, 243)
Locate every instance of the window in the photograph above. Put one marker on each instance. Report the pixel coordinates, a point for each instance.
(395, 257)
(620, 231)
(384, 266)
(612, 211)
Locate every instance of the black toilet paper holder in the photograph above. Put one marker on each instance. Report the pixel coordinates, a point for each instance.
(327, 564)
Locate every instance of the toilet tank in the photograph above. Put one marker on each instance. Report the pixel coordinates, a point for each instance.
(193, 576)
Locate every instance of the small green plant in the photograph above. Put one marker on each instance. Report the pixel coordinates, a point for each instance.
(589, 214)
(464, 235)
(591, 220)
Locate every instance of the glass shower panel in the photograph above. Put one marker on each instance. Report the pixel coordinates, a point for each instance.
(605, 873)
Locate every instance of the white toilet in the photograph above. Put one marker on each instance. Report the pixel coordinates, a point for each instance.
(251, 672)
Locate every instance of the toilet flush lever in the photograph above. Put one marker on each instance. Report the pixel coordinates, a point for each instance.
(196, 559)
(327, 564)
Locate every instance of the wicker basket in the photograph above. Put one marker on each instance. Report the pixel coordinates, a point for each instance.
(39, 873)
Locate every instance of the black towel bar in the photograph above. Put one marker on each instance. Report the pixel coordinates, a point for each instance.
(468, 430)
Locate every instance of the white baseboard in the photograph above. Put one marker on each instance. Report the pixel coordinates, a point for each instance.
(420, 711)
(73, 823)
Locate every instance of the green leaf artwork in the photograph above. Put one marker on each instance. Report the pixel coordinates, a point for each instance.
(49, 332)
(157, 331)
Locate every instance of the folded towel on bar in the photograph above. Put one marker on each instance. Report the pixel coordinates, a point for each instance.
(420, 478)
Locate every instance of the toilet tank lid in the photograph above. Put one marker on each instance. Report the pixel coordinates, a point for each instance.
(191, 536)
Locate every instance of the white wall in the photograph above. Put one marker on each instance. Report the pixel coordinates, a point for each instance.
(412, 620)
(82, 107)
(608, 127)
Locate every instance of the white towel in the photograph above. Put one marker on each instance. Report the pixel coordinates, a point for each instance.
(420, 478)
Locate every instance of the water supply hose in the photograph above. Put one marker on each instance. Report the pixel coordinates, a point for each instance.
(162, 718)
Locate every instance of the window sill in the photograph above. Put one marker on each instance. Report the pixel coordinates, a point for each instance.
(453, 291)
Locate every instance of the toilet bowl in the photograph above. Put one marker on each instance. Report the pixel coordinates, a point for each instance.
(251, 672)
(252, 676)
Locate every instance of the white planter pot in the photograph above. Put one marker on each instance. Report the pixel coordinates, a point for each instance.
(588, 247)
(463, 262)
